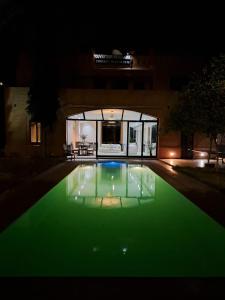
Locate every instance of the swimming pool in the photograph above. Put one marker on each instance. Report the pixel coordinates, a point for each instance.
(113, 219)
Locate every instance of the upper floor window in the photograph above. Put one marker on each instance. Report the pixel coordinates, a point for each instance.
(139, 85)
(100, 83)
(119, 84)
(82, 83)
(35, 132)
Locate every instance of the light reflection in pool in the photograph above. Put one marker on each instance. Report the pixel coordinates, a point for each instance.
(111, 185)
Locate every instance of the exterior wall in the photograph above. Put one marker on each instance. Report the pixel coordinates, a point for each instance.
(17, 122)
(74, 101)
(18, 129)
(155, 103)
(169, 145)
(79, 71)
(201, 145)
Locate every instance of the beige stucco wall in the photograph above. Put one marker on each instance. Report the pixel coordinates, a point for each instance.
(18, 129)
(155, 103)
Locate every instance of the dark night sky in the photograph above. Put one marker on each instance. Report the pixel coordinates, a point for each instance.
(63, 26)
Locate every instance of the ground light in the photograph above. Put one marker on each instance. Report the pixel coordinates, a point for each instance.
(172, 154)
(202, 154)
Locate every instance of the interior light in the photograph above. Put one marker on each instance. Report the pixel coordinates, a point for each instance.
(202, 154)
(172, 153)
(128, 56)
(110, 202)
(201, 163)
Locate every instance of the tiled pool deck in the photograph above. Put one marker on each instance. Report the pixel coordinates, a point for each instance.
(198, 163)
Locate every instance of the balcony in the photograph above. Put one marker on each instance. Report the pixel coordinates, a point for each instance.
(112, 60)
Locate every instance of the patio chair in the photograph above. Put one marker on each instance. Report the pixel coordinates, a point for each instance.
(68, 152)
(220, 153)
(90, 151)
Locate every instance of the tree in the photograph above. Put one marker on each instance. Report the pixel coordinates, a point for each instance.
(43, 102)
(201, 105)
(2, 120)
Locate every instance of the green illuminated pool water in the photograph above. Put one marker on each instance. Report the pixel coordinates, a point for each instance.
(113, 220)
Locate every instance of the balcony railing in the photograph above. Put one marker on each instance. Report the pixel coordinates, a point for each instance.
(113, 60)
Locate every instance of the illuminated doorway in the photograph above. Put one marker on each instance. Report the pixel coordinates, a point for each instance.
(113, 133)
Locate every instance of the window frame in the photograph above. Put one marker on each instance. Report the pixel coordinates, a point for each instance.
(38, 139)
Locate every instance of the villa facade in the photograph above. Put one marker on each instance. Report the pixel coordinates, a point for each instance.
(111, 104)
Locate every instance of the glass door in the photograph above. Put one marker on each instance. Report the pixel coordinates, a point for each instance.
(111, 138)
(81, 135)
(135, 139)
(150, 139)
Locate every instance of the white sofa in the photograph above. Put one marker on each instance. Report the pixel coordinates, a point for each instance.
(110, 148)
